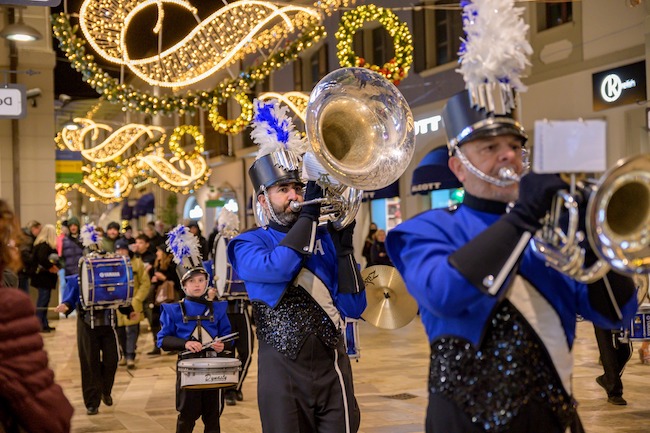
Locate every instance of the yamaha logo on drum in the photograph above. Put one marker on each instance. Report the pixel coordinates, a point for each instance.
(109, 275)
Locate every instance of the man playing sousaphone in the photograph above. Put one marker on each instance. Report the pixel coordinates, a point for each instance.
(302, 281)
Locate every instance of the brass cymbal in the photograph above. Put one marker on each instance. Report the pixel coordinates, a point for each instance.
(390, 306)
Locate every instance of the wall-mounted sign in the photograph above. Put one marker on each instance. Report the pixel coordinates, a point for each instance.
(13, 101)
(428, 125)
(619, 86)
(68, 166)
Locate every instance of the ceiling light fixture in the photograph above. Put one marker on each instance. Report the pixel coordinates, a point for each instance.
(19, 31)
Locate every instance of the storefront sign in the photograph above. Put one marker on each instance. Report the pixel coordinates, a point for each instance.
(428, 125)
(619, 86)
(68, 165)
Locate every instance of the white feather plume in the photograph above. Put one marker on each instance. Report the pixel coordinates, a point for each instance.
(228, 223)
(495, 48)
(89, 236)
(184, 246)
(274, 130)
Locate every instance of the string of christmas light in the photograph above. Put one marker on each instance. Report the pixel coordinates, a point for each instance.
(396, 69)
(235, 126)
(226, 36)
(135, 100)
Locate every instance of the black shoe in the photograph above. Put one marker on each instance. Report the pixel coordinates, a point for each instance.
(107, 399)
(617, 400)
(239, 396)
(48, 329)
(230, 398)
(92, 411)
(600, 380)
(155, 351)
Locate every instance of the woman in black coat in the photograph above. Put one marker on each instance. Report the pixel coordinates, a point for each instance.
(45, 278)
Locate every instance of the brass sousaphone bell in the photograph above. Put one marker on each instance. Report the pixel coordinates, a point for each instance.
(362, 134)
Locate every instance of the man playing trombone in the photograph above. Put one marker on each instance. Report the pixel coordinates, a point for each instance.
(501, 323)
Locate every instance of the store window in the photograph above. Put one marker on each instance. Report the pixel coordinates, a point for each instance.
(446, 198)
(437, 32)
(192, 210)
(554, 14)
(386, 213)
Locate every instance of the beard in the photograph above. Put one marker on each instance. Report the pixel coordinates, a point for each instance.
(285, 215)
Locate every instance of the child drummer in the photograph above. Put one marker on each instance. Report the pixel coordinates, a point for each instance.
(189, 326)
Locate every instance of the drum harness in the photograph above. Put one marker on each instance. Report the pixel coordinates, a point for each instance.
(209, 315)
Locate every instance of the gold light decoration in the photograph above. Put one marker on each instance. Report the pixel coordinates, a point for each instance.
(109, 179)
(235, 126)
(61, 203)
(136, 100)
(296, 101)
(234, 31)
(395, 69)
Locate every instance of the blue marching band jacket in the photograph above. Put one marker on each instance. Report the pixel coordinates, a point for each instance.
(295, 294)
(501, 330)
(192, 319)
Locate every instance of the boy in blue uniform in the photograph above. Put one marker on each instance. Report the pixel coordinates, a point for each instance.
(188, 325)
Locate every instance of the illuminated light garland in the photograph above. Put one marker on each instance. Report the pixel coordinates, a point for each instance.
(395, 69)
(61, 203)
(109, 181)
(118, 142)
(226, 36)
(235, 126)
(135, 100)
(296, 101)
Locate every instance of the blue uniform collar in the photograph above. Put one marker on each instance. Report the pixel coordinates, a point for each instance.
(484, 205)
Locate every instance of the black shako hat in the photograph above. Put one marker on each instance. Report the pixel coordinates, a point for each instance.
(465, 122)
(274, 168)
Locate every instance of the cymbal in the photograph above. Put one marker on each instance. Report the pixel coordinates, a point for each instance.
(390, 306)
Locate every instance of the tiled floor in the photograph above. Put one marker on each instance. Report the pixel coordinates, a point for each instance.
(390, 384)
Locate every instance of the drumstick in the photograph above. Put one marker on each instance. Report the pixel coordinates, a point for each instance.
(225, 339)
(46, 308)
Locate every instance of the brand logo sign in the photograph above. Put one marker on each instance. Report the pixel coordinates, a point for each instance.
(427, 125)
(620, 86)
(109, 274)
(13, 101)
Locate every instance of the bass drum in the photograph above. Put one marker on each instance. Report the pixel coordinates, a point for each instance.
(228, 284)
(105, 281)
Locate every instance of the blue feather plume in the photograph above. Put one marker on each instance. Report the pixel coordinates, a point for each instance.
(273, 129)
(89, 235)
(184, 246)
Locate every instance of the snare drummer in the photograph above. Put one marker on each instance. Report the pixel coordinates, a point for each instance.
(188, 325)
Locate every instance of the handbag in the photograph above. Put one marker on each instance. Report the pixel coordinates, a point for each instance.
(165, 293)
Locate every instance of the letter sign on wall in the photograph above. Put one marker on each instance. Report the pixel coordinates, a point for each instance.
(620, 86)
(13, 101)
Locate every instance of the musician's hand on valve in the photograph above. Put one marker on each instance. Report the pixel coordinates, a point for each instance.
(312, 191)
(536, 193)
(218, 346)
(194, 346)
(61, 308)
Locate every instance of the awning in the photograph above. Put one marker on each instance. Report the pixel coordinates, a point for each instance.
(389, 191)
(433, 173)
(144, 206)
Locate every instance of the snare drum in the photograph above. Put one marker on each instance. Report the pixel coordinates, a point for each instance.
(202, 373)
(105, 281)
(228, 284)
(352, 339)
(640, 324)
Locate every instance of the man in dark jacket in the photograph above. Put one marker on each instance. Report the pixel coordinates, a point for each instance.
(72, 248)
(30, 231)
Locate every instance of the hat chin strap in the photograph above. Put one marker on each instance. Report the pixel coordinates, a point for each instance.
(272, 214)
(501, 182)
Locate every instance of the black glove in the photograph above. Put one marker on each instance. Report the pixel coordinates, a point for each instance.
(342, 239)
(536, 192)
(312, 191)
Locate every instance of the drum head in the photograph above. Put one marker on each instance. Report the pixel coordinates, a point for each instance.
(207, 363)
(221, 266)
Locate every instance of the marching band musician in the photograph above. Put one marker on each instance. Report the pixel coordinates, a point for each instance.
(500, 322)
(190, 324)
(302, 281)
(238, 315)
(96, 338)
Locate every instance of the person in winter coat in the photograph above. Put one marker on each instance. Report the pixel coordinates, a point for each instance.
(46, 277)
(30, 400)
(128, 330)
(73, 250)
